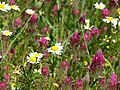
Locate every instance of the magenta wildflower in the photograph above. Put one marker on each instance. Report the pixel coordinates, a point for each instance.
(104, 29)
(5, 68)
(68, 81)
(82, 18)
(55, 9)
(3, 86)
(65, 65)
(95, 32)
(79, 83)
(97, 61)
(46, 29)
(83, 45)
(7, 77)
(102, 81)
(43, 42)
(75, 38)
(113, 4)
(87, 36)
(12, 2)
(75, 12)
(113, 81)
(34, 18)
(45, 71)
(105, 12)
(18, 22)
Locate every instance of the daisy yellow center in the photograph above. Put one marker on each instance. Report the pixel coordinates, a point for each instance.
(99, 6)
(85, 62)
(7, 33)
(36, 54)
(110, 18)
(30, 12)
(33, 58)
(2, 6)
(13, 6)
(54, 48)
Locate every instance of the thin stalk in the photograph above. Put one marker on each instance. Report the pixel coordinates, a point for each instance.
(85, 43)
(109, 64)
(16, 38)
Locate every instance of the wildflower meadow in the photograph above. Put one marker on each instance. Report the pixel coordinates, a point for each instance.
(59, 44)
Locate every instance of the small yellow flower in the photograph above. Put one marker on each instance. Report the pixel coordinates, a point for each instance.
(30, 11)
(13, 86)
(7, 33)
(85, 63)
(55, 85)
(106, 64)
(14, 7)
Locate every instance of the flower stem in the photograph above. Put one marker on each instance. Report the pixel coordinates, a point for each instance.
(15, 38)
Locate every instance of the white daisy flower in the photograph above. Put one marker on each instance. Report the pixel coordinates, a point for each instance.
(87, 21)
(57, 49)
(7, 33)
(4, 7)
(112, 20)
(14, 7)
(87, 26)
(35, 71)
(34, 57)
(100, 6)
(30, 11)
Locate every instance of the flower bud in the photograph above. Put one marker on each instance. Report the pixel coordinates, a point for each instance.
(45, 71)
(17, 22)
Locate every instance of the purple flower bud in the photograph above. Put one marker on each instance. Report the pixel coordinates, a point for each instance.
(68, 81)
(45, 71)
(46, 29)
(104, 29)
(105, 12)
(5, 68)
(83, 45)
(75, 12)
(87, 36)
(34, 18)
(79, 83)
(75, 38)
(12, 2)
(113, 81)
(97, 61)
(113, 4)
(102, 81)
(55, 9)
(7, 77)
(82, 18)
(95, 32)
(18, 22)
(65, 65)
(3, 86)
(12, 51)
(43, 42)
(111, 58)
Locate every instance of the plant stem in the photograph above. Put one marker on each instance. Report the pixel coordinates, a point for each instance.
(15, 38)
